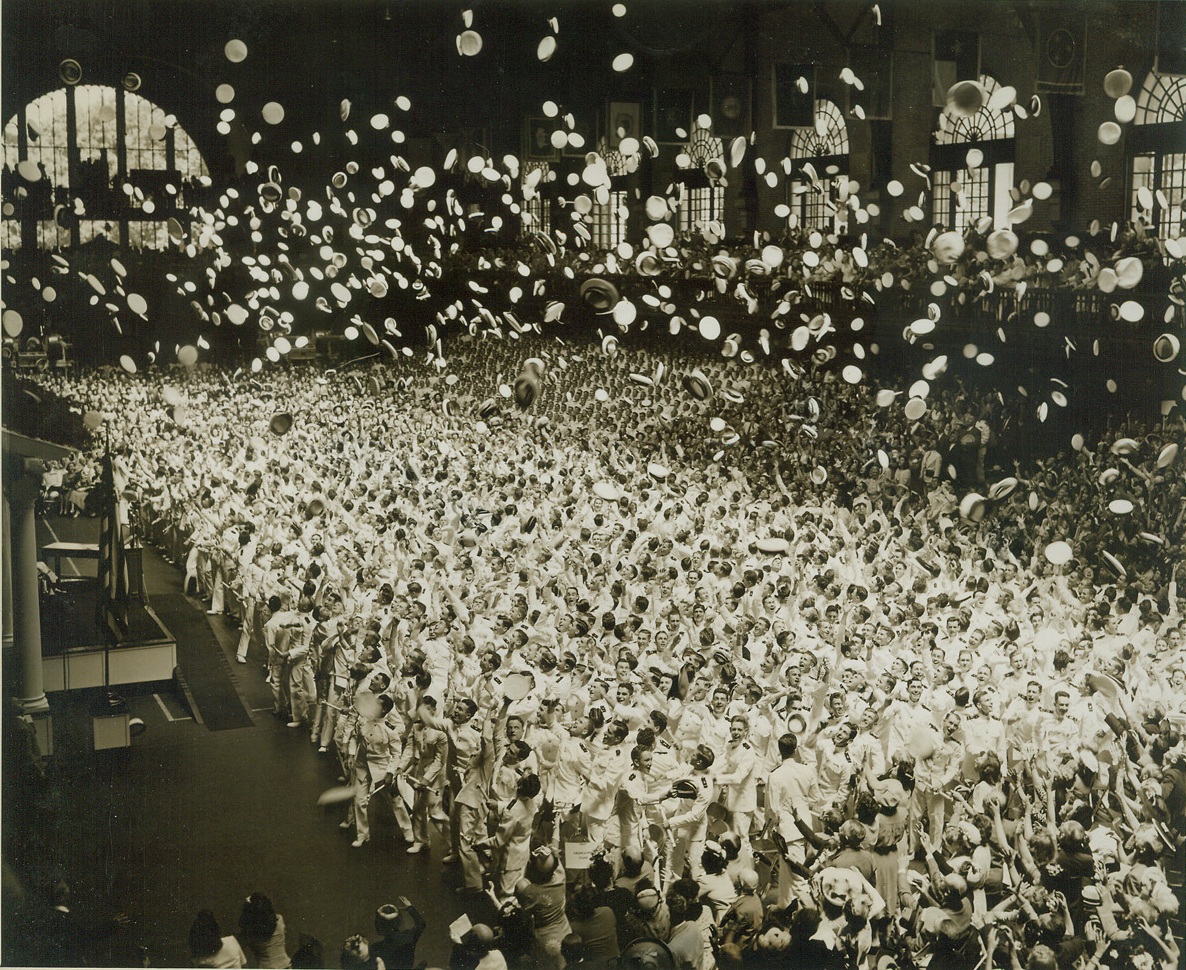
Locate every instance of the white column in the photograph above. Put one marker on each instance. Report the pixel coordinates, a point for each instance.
(22, 492)
(6, 580)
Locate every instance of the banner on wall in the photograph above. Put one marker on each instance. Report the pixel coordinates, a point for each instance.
(955, 57)
(1062, 48)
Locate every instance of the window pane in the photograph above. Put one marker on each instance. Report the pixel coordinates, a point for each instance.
(1142, 178)
(942, 198)
(97, 162)
(809, 205)
(537, 209)
(701, 206)
(960, 204)
(1173, 187)
(148, 235)
(94, 108)
(89, 229)
(51, 236)
(45, 122)
(10, 234)
(607, 224)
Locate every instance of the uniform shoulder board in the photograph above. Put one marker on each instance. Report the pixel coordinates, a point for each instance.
(703, 781)
(745, 744)
(583, 748)
(632, 777)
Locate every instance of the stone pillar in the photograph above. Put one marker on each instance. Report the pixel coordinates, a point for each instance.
(6, 581)
(22, 490)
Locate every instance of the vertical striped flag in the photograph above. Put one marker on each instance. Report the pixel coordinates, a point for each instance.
(112, 600)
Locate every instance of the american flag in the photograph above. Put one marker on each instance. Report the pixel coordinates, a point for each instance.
(112, 600)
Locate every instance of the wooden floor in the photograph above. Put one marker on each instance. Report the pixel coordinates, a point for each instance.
(188, 819)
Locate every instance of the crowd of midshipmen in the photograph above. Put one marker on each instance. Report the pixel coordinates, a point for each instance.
(585, 634)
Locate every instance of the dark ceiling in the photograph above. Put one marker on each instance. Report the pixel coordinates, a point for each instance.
(310, 55)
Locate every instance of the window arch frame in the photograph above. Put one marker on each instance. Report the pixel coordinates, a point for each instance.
(993, 133)
(1158, 93)
(813, 196)
(121, 201)
(1158, 128)
(703, 197)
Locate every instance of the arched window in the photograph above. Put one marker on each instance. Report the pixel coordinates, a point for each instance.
(964, 193)
(704, 196)
(1157, 162)
(818, 155)
(92, 161)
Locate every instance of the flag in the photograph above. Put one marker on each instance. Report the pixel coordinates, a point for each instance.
(112, 600)
(1062, 44)
(794, 95)
(1171, 38)
(956, 58)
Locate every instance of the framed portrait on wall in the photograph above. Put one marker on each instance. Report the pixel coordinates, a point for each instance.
(537, 138)
(729, 105)
(673, 110)
(624, 121)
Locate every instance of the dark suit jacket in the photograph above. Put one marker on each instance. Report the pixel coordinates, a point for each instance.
(65, 935)
(398, 951)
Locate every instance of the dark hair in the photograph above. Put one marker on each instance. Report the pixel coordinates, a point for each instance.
(583, 903)
(205, 936)
(989, 767)
(257, 918)
(713, 862)
(618, 730)
(631, 864)
(519, 750)
(310, 955)
(572, 947)
(601, 877)
(528, 786)
(787, 745)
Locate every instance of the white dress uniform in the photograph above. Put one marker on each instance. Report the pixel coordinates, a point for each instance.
(689, 826)
(601, 793)
(739, 777)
